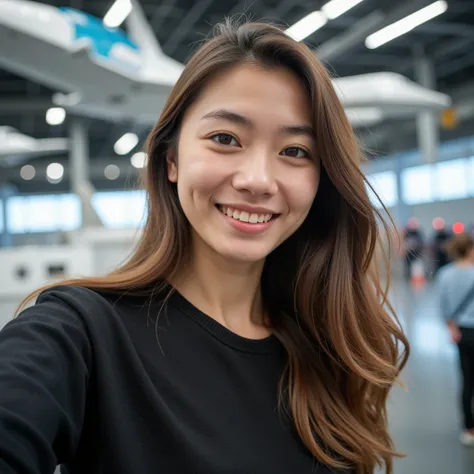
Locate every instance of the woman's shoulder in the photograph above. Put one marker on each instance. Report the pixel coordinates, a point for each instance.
(452, 271)
(72, 298)
(72, 305)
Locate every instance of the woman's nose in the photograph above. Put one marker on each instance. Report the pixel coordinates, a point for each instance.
(256, 176)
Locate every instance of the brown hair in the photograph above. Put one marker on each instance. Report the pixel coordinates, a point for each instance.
(344, 349)
(460, 245)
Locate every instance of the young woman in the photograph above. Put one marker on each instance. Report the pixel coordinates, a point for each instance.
(245, 334)
(456, 294)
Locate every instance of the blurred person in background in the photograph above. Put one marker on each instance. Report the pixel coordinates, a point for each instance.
(413, 245)
(455, 284)
(248, 332)
(440, 251)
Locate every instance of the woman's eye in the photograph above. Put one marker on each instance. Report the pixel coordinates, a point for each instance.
(295, 152)
(224, 139)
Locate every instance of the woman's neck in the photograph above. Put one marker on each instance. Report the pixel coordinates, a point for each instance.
(227, 291)
(465, 262)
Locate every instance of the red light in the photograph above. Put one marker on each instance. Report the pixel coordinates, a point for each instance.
(438, 223)
(413, 223)
(458, 227)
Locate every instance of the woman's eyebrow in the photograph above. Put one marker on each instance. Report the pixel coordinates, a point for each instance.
(234, 117)
(306, 130)
(225, 114)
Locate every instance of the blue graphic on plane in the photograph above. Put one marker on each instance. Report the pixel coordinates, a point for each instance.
(102, 39)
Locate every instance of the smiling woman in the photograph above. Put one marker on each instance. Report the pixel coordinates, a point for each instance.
(274, 351)
(247, 145)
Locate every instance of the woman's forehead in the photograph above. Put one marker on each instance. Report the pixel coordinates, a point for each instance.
(249, 88)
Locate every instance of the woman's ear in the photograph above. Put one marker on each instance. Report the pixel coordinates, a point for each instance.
(172, 167)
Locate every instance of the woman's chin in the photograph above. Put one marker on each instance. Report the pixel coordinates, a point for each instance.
(246, 254)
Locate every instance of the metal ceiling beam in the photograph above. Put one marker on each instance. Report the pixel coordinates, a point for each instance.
(461, 93)
(455, 65)
(24, 105)
(453, 47)
(375, 60)
(277, 13)
(282, 10)
(186, 25)
(351, 38)
(240, 8)
(440, 28)
(12, 85)
(356, 34)
(450, 48)
(161, 13)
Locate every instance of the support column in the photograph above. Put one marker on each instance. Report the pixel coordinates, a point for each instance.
(6, 191)
(80, 183)
(403, 211)
(427, 122)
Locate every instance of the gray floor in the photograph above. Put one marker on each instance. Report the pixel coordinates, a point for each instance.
(424, 418)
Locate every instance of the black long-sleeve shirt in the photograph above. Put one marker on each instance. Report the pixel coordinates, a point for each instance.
(99, 384)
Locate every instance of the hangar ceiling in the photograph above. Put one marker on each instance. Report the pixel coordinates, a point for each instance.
(180, 26)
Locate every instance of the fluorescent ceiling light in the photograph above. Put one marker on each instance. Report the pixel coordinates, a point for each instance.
(55, 172)
(126, 144)
(67, 100)
(336, 8)
(307, 25)
(139, 160)
(55, 115)
(117, 13)
(27, 172)
(112, 172)
(405, 25)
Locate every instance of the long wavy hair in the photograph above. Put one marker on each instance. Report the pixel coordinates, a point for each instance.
(345, 347)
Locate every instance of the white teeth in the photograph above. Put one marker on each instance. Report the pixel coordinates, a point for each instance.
(245, 216)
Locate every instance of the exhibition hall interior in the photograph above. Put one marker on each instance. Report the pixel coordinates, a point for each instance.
(82, 83)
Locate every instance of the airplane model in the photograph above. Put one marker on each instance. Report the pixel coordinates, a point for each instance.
(105, 73)
(16, 147)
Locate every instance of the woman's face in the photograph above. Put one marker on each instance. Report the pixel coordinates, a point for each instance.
(246, 166)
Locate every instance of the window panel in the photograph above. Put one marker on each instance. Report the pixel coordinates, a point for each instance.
(417, 184)
(470, 176)
(120, 209)
(385, 186)
(46, 213)
(452, 179)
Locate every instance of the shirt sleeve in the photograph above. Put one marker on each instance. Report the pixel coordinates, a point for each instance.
(45, 359)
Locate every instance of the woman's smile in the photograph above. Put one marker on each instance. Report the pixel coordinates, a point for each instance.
(245, 221)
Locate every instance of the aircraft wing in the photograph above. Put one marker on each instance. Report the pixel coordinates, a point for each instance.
(16, 147)
(392, 92)
(73, 52)
(368, 99)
